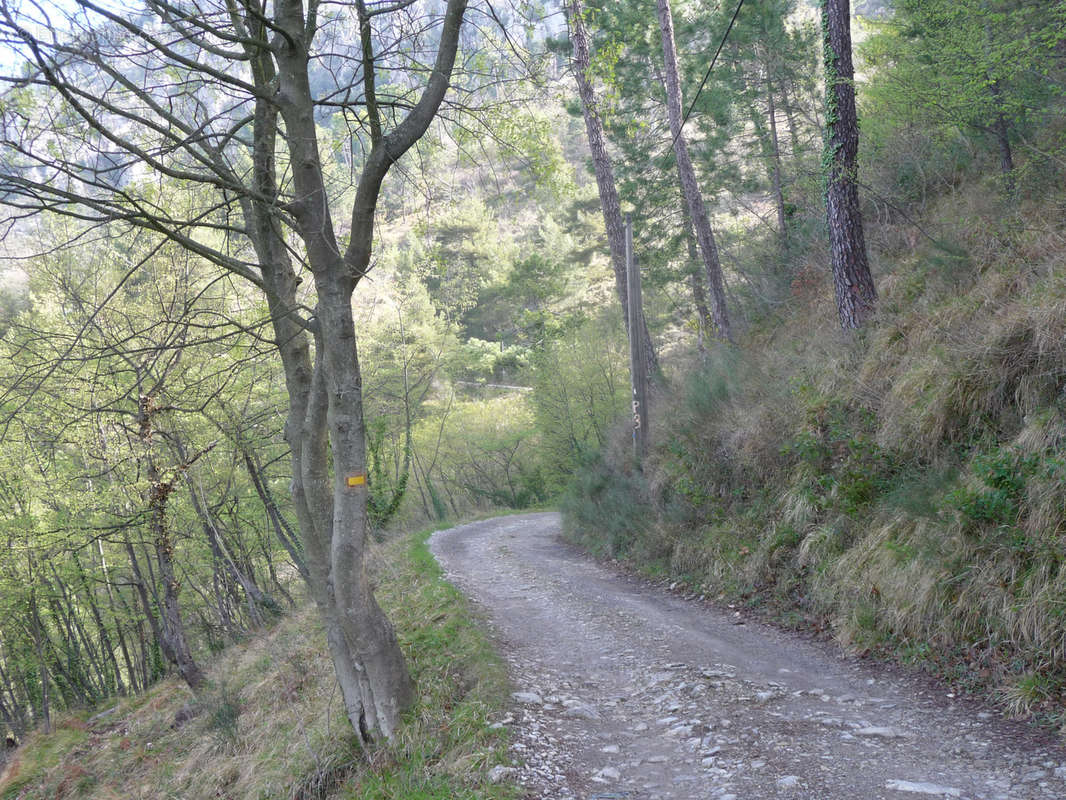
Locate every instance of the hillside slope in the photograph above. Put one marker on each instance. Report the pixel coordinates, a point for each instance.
(272, 725)
(903, 488)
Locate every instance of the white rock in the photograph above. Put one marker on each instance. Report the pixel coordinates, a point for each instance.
(610, 748)
(582, 712)
(528, 698)
(923, 788)
(788, 781)
(880, 733)
(607, 774)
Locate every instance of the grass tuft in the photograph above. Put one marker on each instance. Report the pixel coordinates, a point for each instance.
(904, 486)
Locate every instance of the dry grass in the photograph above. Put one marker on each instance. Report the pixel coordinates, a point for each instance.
(272, 723)
(905, 486)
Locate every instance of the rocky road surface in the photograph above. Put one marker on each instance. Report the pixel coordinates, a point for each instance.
(624, 690)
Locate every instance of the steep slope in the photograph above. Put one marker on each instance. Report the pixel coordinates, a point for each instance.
(271, 724)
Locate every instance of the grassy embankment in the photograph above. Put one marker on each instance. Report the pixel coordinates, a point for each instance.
(272, 724)
(904, 488)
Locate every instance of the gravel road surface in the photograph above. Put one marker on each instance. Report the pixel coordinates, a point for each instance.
(625, 690)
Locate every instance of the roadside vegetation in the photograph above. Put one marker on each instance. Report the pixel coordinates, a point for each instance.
(901, 489)
(885, 464)
(270, 723)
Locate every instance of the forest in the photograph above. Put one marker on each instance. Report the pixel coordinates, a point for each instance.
(281, 281)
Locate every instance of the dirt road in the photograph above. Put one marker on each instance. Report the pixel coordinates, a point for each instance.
(623, 690)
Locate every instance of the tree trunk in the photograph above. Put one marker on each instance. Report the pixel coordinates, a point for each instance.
(173, 628)
(1001, 130)
(45, 711)
(695, 278)
(253, 596)
(281, 527)
(601, 163)
(855, 293)
(775, 172)
(325, 427)
(1006, 159)
(149, 614)
(687, 175)
(105, 637)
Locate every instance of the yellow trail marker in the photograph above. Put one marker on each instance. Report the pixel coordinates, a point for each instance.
(356, 480)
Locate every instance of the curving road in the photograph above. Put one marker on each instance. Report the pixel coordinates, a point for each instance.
(623, 690)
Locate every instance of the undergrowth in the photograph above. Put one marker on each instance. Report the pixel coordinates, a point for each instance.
(903, 487)
(271, 724)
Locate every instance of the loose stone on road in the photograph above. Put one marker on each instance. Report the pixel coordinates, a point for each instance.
(623, 690)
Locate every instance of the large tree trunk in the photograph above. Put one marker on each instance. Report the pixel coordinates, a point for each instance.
(687, 175)
(854, 285)
(325, 428)
(601, 164)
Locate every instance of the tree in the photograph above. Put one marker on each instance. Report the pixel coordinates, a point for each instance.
(697, 211)
(981, 65)
(854, 286)
(118, 113)
(89, 471)
(727, 137)
(601, 163)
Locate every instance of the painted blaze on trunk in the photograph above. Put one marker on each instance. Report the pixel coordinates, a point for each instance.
(855, 293)
(325, 428)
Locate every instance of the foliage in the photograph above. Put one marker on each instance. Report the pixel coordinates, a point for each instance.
(1002, 477)
(580, 387)
(274, 726)
(976, 67)
(904, 488)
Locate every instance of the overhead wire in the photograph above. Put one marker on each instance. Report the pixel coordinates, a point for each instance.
(707, 74)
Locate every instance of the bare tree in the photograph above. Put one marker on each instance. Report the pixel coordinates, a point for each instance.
(198, 123)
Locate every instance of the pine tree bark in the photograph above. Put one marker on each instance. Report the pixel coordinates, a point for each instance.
(855, 293)
(689, 185)
(1001, 130)
(605, 183)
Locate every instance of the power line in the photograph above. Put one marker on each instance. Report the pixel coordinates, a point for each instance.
(706, 75)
